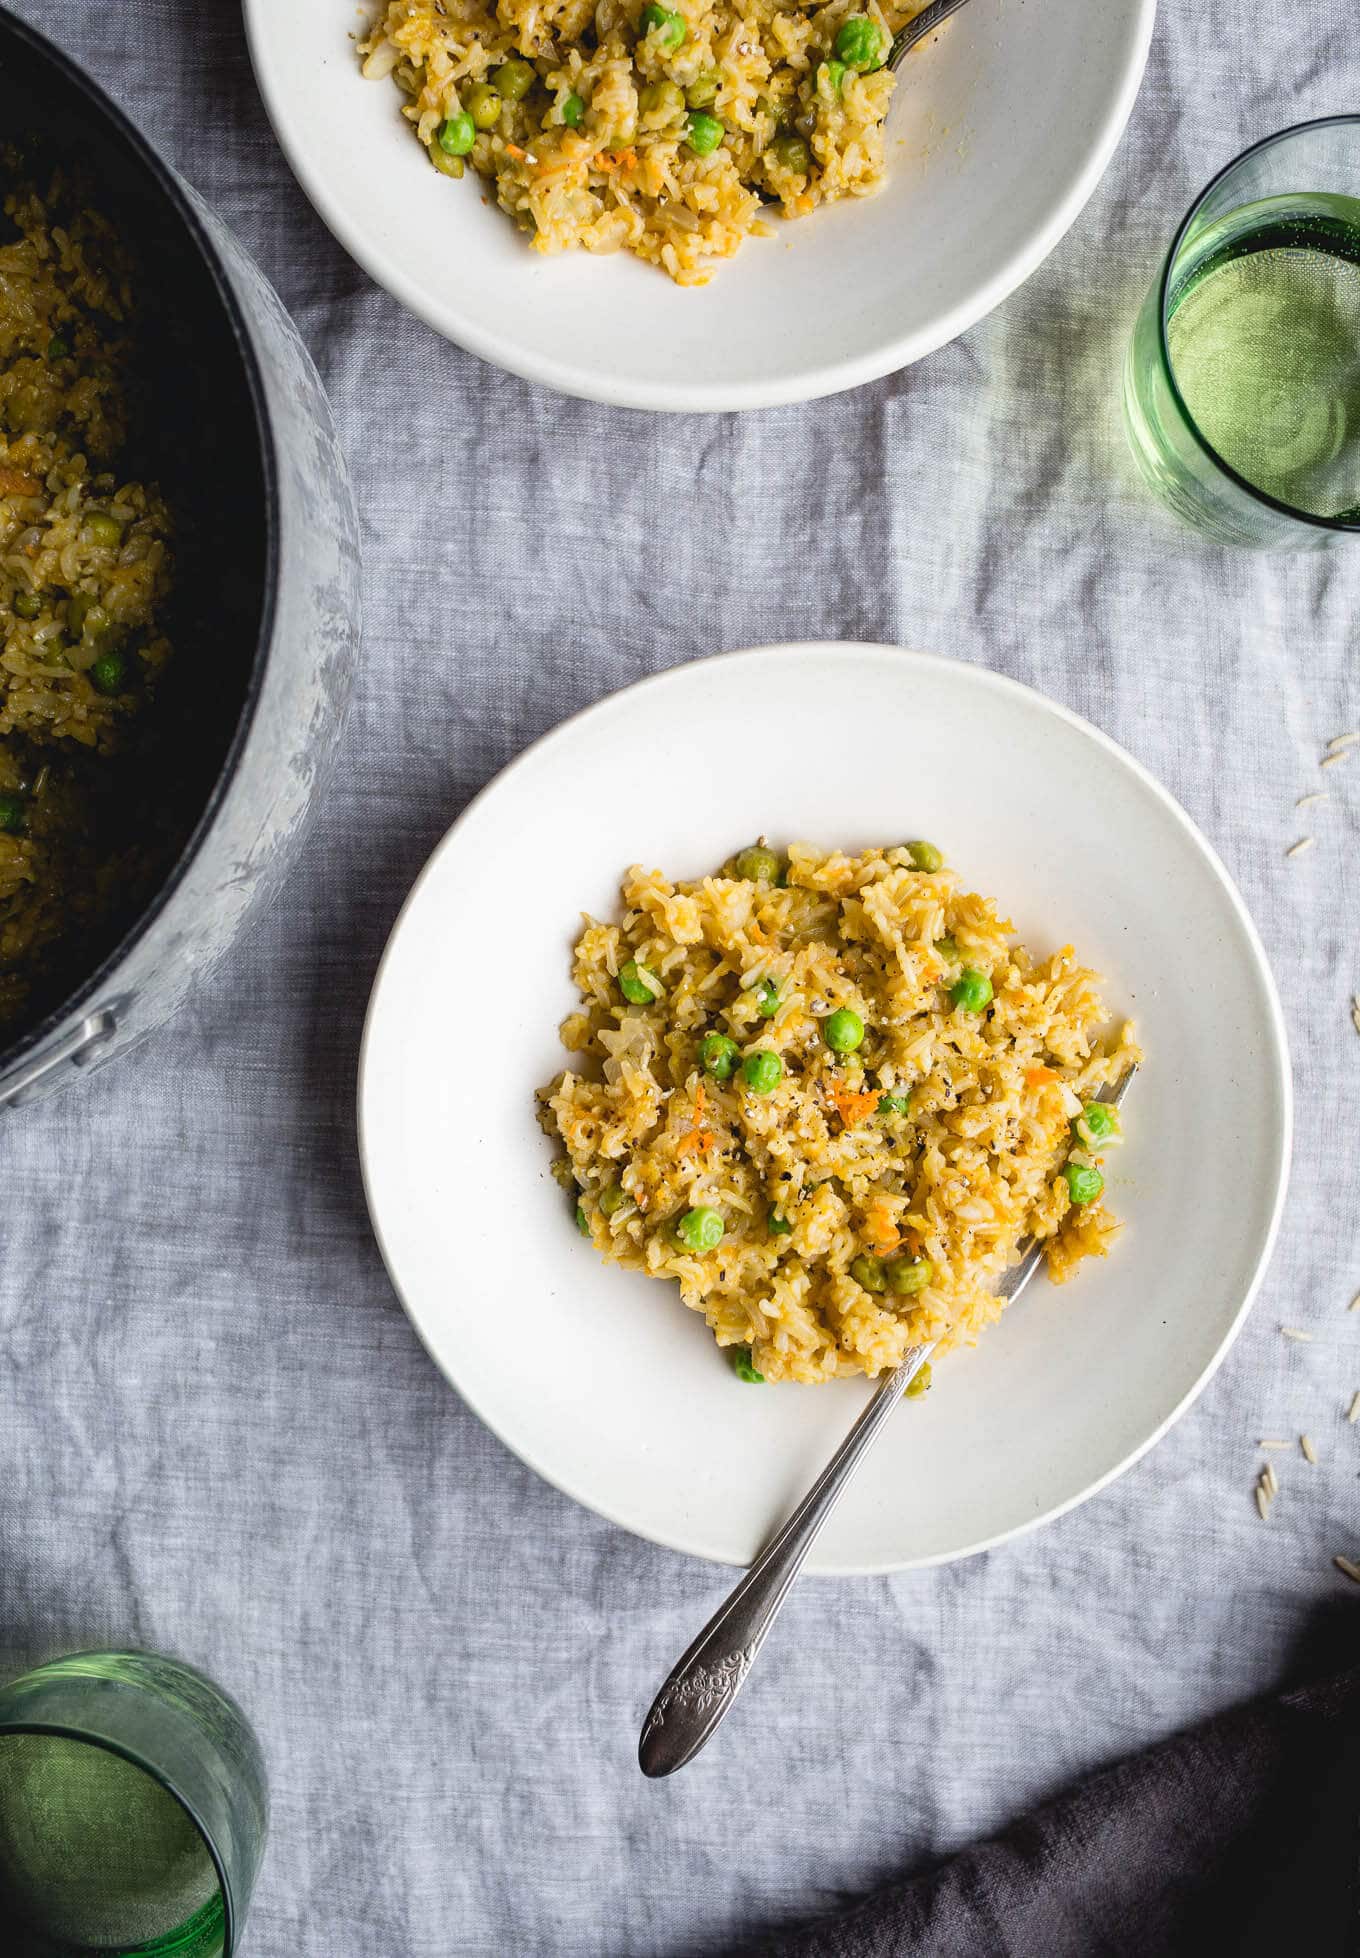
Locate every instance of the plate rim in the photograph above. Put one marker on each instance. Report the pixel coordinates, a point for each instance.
(1277, 1057)
(572, 377)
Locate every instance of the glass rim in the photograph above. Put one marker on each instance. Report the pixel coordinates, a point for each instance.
(59, 1730)
(1330, 524)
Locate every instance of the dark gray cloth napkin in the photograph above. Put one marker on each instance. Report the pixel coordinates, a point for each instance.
(1240, 1837)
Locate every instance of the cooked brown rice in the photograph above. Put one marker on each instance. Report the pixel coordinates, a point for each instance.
(600, 149)
(84, 570)
(828, 1169)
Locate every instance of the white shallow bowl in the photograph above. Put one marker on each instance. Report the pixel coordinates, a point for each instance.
(599, 1378)
(999, 133)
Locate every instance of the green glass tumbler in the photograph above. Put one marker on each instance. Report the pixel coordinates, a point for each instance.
(133, 1811)
(1242, 379)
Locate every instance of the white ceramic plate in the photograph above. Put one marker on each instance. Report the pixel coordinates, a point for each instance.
(998, 135)
(600, 1379)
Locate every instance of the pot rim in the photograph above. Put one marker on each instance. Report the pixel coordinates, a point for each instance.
(181, 199)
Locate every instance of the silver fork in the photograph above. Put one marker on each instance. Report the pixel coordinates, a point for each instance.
(916, 30)
(700, 1691)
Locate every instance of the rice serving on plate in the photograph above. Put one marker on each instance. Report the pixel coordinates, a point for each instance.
(84, 576)
(830, 1096)
(656, 129)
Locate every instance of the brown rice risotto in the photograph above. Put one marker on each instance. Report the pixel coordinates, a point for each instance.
(84, 576)
(830, 1096)
(657, 129)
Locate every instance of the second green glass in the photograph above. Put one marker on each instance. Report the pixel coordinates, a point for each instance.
(1242, 382)
(133, 1811)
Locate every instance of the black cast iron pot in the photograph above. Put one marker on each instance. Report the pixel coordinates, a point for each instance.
(233, 424)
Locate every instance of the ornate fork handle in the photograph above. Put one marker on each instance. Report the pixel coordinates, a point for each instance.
(711, 1674)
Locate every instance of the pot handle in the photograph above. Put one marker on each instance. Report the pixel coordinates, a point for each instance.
(77, 1048)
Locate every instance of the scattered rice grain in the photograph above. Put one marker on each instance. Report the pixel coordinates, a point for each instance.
(1309, 1452)
(1353, 1411)
(1307, 801)
(1295, 1332)
(1348, 1569)
(1304, 843)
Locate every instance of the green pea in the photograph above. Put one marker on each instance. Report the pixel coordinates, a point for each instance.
(668, 27)
(703, 133)
(894, 1105)
(762, 1071)
(483, 105)
(513, 79)
(907, 1276)
(767, 999)
(58, 349)
(972, 990)
(662, 99)
(104, 530)
(718, 1053)
(834, 71)
(1099, 1120)
(12, 814)
(779, 1226)
(919, 1383)
(755, 863)
(859, 43)
(582, 1222)
(1084, 1182)
(702, 92)
(612, 1198)
(925, 856)
(573, 112)
(109, 673)
(639, 984)
(868, 1272)
(701, 1230)
(741, 1366)
(27, 604)
(458, 134)
(791, 153)
(947, 949)
(843, 1030)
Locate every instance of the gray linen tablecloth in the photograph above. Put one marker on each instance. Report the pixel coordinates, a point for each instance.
(218, 1434)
